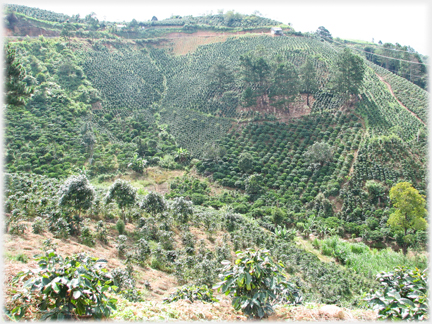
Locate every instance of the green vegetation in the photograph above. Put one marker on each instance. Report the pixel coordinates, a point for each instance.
(192, 293)
(65, 288)
(256, 282)
(271, 141)
(403, 295)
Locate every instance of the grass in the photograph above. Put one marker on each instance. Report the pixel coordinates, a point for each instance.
(21, 257)
(307, 246)
(366, 261)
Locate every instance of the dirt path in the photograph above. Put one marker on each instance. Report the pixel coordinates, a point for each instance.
(391, 91)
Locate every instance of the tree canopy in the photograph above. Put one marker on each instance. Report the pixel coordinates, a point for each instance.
(308, 78)
(349, 73)
(319, 152)
(323, 32)
(410, 209)
(16, 90)
(122, 192)
(77, 193)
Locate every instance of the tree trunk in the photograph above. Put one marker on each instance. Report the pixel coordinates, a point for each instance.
(307, 99)
(405, 249)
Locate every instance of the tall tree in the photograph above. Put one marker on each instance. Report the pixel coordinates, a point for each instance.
(349, 73)
(319, 152)
(122, 192)
(324, 33)
(308, 78)
(221, 78)
(255, 72)
(77, 193)
(410, 210)
(16, 89)
(285, 85)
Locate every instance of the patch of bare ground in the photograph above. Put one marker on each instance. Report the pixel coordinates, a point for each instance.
(185, 45)
(162, 284)
(337, 203)
(321, 313)
(30, 244)
(296, 109)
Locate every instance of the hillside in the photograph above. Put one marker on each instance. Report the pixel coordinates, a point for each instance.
(207, 136)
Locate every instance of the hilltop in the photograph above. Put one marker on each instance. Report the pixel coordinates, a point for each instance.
(206, 136)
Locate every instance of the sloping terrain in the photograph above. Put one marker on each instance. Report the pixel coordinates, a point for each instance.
(226, 151)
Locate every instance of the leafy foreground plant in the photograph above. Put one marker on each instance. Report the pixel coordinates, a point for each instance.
(403, 295)
(192, 293)
(257, 283)
(65, 288)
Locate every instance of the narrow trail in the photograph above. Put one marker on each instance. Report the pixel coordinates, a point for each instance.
(391, 91)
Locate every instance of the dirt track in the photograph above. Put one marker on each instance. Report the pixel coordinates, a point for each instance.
(391, 91)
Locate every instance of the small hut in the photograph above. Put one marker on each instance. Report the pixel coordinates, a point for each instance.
(276, 31)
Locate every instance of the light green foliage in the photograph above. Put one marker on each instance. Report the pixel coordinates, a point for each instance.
(65, 288)
(319, 152)
(256, 283)
(410, 210)
(359, 257)
(192, 293)
(403, 295)
(182, 209)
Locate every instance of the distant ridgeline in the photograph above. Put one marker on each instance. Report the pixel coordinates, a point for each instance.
(98, 102)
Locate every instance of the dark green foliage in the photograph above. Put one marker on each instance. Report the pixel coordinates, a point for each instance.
(286, 85)
(77, 193)
(16, 89)
(308, 78)
(122, 192)
(192, 293)
(245, 162)
(257, 283)
(153, 203)
(65, 288)
(253, 184)
(403, 295)
(350, 70)
(38, 225)
(120, 226)
(324, 33)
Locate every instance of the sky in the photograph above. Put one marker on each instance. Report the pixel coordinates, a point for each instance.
(403, 22)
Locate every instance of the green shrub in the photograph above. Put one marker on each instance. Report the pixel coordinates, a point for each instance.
(64, 288)
(192, 293)
(403, 295)
(120, 226)
(257, 283)
(17, 228)
(87, 237)
(38, 225)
